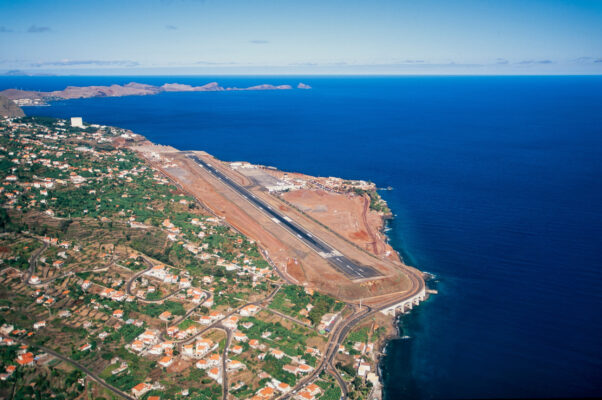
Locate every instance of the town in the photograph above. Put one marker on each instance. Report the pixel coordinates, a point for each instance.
(118, 284)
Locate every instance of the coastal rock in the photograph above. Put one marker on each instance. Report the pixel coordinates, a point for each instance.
(210, 87)
(17, 94)
(264, 87)
(302, 85)
(176, 87)
(9, 109)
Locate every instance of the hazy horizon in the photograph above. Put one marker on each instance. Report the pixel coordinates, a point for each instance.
(139, 73)
(387, 37)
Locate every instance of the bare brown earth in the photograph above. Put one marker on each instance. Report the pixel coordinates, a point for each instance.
(347, 214)
(295, 260)
(9, 109)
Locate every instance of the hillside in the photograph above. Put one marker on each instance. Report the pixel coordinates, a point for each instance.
(9, 109)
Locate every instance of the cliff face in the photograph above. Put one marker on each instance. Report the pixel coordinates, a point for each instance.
(9, 109)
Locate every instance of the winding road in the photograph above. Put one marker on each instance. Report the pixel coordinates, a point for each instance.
(219, 321)
(130, 282)
(33, 261)
(81, 367)
(344, 327)
(337, 336)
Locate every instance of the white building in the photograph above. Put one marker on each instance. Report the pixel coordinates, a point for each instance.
(77, 122)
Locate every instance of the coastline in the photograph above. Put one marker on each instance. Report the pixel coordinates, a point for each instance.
(393, 331)
(35, 98)
(436, 226)
(381, 307)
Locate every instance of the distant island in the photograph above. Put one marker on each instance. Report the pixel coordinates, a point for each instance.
(32, 97)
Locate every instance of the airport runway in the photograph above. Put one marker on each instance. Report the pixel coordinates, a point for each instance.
(340, 262)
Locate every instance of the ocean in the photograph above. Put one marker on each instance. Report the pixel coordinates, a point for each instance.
(497, 191)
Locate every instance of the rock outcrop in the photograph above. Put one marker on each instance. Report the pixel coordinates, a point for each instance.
(9, 109)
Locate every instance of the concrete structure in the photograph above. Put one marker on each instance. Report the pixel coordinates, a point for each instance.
(405, 305)
(345, 265)
(76, 122)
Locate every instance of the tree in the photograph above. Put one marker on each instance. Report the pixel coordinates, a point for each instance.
(65, 225)
(4, 219)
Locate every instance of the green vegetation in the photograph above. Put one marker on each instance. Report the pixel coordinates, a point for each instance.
(292, 299)
(359, 335)
(331, 393)
(273, 366)
(291, 341)
(154, 309)
(156, 295)
(98, 205)
(376, 202)
(127, 333)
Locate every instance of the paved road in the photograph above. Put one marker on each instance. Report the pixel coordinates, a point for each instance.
(81, 367)
(342, 263)
(225, 384)
(70, 273)
(285, 277)
(342, 384)
(176, 321)
(295, 320)
(137, 275)
(219, 321)
(92, 375)
(33, 261)
(343, 328)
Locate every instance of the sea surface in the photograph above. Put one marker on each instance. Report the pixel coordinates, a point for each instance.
(497, 191)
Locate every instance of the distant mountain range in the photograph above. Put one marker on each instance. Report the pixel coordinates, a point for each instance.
(130, 89)
(18, 72)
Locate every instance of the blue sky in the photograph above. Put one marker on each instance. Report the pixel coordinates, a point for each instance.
(301, 37)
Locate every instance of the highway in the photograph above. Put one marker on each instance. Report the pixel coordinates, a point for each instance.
(339, 261)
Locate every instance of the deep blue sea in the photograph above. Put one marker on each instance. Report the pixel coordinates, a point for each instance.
(497, 191)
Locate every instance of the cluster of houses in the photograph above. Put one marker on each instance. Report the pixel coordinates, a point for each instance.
(180, 334)
(24, 358)
(204, 350)
(172, 230)
(275, 387)
(199, 250)
(33, 149)
(110, 293)
(161, 273)
(362, 366)
(146, 340)
(143, 388)
(151, 343)
(212, 364)
(198, 349)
